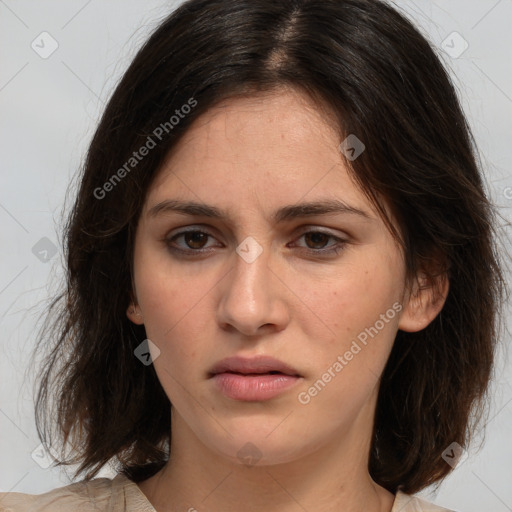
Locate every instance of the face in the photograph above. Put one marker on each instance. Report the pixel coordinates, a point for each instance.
(306, 300)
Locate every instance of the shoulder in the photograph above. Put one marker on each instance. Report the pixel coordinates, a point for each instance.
(83, 496)
(100, 494)
(408, 503)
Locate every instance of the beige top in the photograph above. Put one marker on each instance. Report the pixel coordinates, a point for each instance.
(122, 495)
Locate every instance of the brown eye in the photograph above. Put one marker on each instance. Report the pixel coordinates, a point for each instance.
(316, 239)
(193, 242)
(195, 239)
(320, 243)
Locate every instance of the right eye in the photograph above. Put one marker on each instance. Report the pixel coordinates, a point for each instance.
(193, 242)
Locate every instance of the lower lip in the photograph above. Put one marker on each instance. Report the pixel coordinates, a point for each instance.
(253, 387)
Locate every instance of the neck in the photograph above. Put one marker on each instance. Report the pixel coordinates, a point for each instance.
(334, 477)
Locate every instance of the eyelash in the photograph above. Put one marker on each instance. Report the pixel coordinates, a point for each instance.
(334, 249)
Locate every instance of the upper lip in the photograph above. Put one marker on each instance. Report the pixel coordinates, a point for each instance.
(257, 364)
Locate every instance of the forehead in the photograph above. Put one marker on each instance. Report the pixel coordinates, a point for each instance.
(279, 145)
(265, 125)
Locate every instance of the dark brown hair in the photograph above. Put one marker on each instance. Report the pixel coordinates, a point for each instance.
(381, 80)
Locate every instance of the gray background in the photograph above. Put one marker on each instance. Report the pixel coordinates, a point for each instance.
(48, 110)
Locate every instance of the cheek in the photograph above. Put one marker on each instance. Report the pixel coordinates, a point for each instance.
(353, 315)
(173, 306)
(350, 356)
(352, 300)
(174, 322)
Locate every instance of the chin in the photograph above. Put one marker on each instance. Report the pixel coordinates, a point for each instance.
(257, 446)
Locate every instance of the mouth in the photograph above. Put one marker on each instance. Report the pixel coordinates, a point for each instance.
(253, 380)
(272, 372)
(258, 365)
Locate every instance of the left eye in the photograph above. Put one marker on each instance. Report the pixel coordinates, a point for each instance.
(318, 239)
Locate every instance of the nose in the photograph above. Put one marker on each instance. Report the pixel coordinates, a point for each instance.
(253, 299)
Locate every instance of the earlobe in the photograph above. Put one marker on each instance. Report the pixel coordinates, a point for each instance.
(134, 314)
(425, 302)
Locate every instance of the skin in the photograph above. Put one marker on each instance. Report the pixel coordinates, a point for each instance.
(250, 156)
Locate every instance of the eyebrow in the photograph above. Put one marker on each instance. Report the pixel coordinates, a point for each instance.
(285, 213)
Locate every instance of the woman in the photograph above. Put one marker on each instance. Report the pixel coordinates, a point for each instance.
(282, 289)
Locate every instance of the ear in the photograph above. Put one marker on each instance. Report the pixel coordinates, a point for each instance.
(424, 302)
(134, 314)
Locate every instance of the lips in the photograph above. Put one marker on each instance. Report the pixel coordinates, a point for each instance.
(253, 380)
(253, 366)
